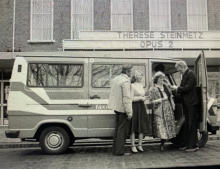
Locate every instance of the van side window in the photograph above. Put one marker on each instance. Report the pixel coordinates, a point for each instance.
(37, 75)
(55, 75)
(103, 73)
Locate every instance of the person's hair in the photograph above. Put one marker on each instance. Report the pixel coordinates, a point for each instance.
(157, 76)
(125, 68)
(134, 77)
(181, 64)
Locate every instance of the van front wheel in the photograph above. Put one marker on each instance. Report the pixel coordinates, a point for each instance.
(54, 140)
(202, 138)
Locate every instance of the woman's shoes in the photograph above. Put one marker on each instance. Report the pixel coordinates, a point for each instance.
(140, 148)
(134, 150)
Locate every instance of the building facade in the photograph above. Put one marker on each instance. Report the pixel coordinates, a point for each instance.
(175, 28)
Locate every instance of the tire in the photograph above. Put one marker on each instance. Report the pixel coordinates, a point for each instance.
(202, 138)
(54, 140)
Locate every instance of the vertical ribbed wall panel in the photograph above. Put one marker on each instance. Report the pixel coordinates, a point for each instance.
(102, 15)
(178, 15)
(141, 14)
(81, 16)
(213, 14)
(122, 15)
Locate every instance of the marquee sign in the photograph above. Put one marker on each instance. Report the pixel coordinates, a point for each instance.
(145, 39)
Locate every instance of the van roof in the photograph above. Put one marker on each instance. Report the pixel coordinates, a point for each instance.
(102, 54)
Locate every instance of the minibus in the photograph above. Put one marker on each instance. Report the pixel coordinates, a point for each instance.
(59, 97)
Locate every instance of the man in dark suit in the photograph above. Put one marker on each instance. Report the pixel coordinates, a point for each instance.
(190, 100)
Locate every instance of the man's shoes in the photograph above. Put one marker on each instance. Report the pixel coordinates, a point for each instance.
(192, 149)
(182, 148)
(161, 148)
(123, 154)
(118, 154)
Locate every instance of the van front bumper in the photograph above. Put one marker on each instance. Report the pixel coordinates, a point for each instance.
(12, 133)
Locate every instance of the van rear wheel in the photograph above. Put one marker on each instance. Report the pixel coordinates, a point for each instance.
(54, 140)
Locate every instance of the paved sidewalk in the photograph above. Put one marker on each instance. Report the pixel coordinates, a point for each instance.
(17, 143)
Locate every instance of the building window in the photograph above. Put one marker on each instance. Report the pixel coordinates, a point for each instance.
(178, 15)
(213, 14)
(41, 20)
(197, 15)
(121, 15)
(82, 17)
(55, 75)
(159, 15)
(102, 15)
(141, 14)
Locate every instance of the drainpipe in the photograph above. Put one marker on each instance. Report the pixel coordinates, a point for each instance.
(13, 30)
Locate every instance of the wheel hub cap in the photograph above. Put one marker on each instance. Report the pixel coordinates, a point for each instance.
(54, 140)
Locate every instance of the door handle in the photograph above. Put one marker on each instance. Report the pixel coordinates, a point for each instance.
(84, 105)
(95, 97)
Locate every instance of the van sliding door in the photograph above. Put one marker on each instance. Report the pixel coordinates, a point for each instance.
(101, 120)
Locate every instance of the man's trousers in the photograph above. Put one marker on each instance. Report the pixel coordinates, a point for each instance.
(121, 132)
(191, 125)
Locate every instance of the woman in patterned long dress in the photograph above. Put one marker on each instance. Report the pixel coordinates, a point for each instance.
(163, 109)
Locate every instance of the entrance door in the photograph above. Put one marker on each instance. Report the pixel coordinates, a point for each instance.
(202, 84)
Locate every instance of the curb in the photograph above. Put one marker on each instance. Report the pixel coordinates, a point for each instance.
(25, 144)
(18, 145)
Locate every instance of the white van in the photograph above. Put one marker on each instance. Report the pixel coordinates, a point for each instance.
(58, 97)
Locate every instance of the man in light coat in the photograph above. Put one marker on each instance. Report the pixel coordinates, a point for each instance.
(121, 102)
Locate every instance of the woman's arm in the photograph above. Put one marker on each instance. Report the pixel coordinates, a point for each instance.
(139, 98)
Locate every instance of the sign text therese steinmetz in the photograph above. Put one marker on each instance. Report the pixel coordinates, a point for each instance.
(144, 39)
(160, 39)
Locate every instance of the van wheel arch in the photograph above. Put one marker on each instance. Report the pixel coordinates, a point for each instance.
(46, 125)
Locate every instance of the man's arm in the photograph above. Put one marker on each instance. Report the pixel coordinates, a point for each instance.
(188, 85)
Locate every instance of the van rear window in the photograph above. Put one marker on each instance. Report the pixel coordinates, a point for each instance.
(103, 73)
(55, 75)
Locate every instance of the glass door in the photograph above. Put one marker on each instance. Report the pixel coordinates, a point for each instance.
(3, 102)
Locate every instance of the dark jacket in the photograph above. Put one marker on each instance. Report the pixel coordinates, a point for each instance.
(187, 89)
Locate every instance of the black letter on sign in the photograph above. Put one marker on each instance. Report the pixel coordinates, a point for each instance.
(200, 35)
(170, 44)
